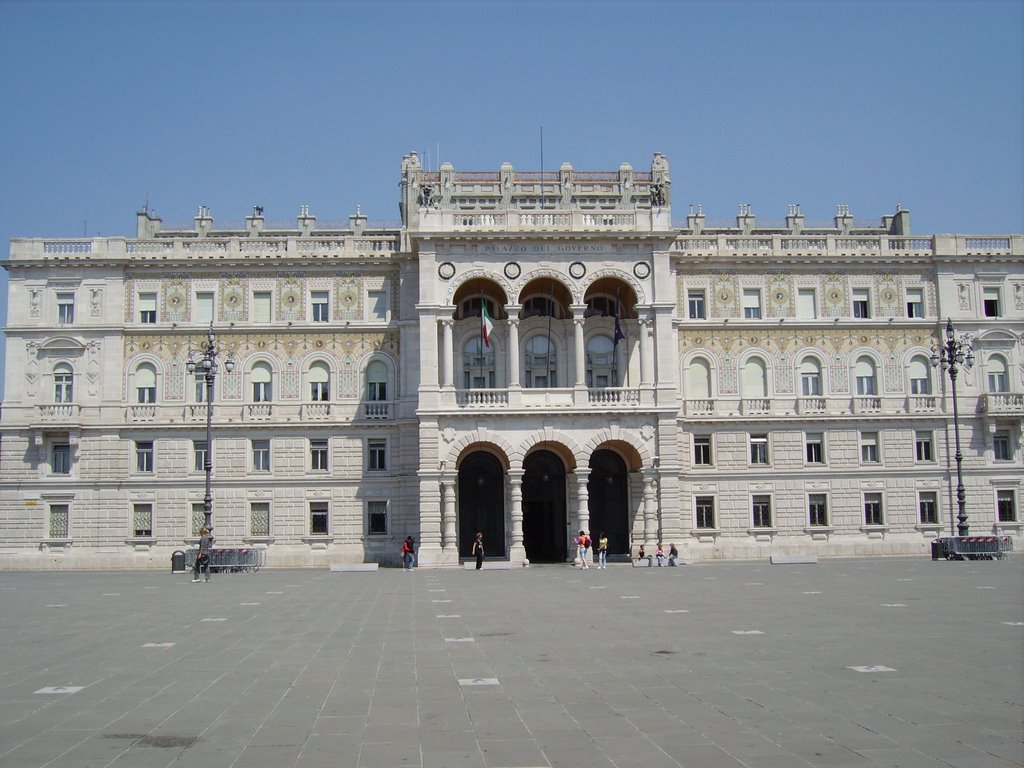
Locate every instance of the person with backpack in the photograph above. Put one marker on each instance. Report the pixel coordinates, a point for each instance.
(582, 547)
(408, 553)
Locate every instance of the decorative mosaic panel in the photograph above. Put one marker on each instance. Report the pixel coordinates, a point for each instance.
(780, 296)
(892, 373)
(231, 385)
(291, 292)
(174, 381)
(727, 379)
(724, 297)
(783, 374)
(840, 374)
(889, 296)
(291, 379)
(348, 381)
(835, 299)
(349, 295)
(234, 292)
(1018, 296)
(175, 295)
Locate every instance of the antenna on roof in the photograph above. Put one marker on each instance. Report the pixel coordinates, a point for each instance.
(542, 167)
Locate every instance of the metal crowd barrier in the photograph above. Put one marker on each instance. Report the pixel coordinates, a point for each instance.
(229, 559)
(971, 547)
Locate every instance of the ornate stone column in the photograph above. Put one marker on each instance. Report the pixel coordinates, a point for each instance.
(579, 346)
(650, 513)
(449, 538)
(646, 352)
(513, 345)
(582, 475)
(517, 552)
(447, 353)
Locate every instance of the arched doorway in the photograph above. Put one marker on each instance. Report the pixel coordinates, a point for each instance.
(544, 521)
(607, 489)
(482, 504)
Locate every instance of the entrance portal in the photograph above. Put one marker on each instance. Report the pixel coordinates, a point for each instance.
(609, 500)
(544, 521)
(482, 504)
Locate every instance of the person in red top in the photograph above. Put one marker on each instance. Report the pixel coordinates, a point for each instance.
(408, 553)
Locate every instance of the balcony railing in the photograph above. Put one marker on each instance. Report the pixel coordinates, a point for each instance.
(752, 405)
(613, 396)
(315, 411)
(922, 404)
(481, 398)
(699, 407)
(141, 413)
(259, 411)
(1001, 402)
(811, 405)
(377, 410)
(58, 412)
(862, 404)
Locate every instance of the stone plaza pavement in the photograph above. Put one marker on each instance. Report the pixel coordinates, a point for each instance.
(864, 662)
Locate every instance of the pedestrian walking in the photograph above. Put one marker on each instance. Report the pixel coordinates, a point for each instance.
(478, 550)
(203, 555)
(602, 551)
(582, 547)
(408, 553)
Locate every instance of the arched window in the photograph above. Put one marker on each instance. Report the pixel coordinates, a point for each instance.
(601, 370)
(471, 307)
(539, 306)
(63, 384)
(262, 378)
(477, 364)
(810, 377)
(376, 381)
(920, 372)
(698, 379)
(755, 378)
(319, 382)
(540, 363)
(996, 369)
(601, 306)
(145, 383)
(864, 373)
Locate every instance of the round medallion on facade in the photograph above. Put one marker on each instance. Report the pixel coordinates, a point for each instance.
(446, 270)
(642, 270)
(513, 270)
(577, 269)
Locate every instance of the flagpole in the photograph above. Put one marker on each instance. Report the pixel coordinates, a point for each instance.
(615, 341)
(480, 342)
(551, 312)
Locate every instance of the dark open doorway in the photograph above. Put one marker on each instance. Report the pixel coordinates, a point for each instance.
(482, 504)
(609, 499)
(544, 532)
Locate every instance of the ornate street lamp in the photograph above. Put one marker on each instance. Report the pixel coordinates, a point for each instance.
(954, 353)
(206, 360)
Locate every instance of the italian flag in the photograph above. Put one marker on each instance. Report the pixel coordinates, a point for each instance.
(486, 325)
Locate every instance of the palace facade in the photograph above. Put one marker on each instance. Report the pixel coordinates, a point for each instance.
(525, 355)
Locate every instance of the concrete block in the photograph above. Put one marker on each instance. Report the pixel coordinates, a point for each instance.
(793, 559)
(352, 567)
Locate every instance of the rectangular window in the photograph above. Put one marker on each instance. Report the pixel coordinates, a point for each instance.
(873, 509)
(928, 507)
(761, 507)
(915, 302)
(377, 518)
(806, 303)
(810, 383)
(759, 449)
(1002, 448)
(376, 454)
(696, 304)
(752, 303)
(318, 514)
(200, 387)
(1006, 506)
(814, 447)
(60, 463)
(142, 520)
(261, 307)
(144, 456)
(990, 301)
(705, 511)
(204, 307)
(869, 453)
(321, 306)
(147, 308)
(702, 450)
(260, 455)
(199, 455)
(59, 521)
(318, 455)
(378, 301)
(921, 386)
(923, 446)
(65, 308)
(862, 302)
(259, 518)
(817, 509)
(198, 517)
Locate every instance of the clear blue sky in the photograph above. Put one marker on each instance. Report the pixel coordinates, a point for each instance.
(230, 104)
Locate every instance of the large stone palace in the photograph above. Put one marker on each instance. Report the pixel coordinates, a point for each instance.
(525, 355)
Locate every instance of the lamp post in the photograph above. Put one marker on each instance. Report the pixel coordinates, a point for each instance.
(206, 360)
(954, 353)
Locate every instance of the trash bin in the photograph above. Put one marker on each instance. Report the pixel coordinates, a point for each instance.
(936, 549)
(178, 562)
